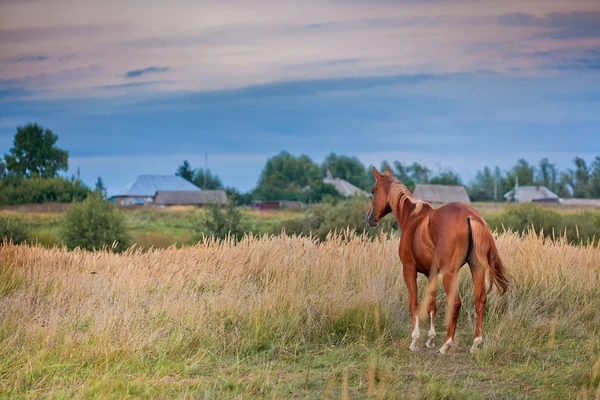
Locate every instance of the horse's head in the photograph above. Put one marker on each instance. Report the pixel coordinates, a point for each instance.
(380, 207)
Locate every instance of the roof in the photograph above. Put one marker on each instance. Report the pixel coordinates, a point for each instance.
(187, 197)
(530, 193)
(441, 193)
(148, 185)
(345, 188)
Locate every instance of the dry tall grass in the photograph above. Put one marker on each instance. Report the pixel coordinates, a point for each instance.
(82, 323)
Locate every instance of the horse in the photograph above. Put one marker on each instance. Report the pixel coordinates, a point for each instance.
(438, 242)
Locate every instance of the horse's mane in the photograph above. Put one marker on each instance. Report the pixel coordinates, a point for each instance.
(399, 194)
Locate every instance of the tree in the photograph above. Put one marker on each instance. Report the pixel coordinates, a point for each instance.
(100, 188)
(594, 189)
(579, 178)
(348, 168)
(2, 169)
(186, 171)
(419, 173)
(286, 177)
(446, 178)
(34, 153)
(523, 171)
(206, 180)
(483, 186)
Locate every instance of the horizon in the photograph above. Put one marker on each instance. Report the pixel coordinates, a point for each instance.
(450, 85)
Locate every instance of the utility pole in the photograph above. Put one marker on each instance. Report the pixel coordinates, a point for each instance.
(205, 169)
(495, 186)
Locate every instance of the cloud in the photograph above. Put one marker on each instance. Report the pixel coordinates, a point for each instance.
(560, 25)
(214, 46)
(136, 73)
(31, 59)
(44, 34)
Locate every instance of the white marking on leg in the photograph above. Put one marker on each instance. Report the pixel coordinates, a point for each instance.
(416, 333)
(431, 335)
(446, 346)
(477, 343)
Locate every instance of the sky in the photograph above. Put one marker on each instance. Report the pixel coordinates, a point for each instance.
(137, 87)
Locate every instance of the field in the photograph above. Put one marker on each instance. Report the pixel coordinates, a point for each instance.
(288, 317)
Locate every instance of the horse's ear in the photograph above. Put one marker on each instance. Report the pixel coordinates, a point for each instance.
(388, 170)
(376, 173)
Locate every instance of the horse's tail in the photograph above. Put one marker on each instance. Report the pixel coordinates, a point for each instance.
(483, 248)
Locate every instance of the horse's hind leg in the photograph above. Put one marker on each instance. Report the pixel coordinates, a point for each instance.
(450, 279)
(432, 308)
(478, 274)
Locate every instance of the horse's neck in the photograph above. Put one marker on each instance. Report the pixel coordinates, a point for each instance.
(403, 208)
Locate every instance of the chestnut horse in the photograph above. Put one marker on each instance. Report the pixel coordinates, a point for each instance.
(438, 241)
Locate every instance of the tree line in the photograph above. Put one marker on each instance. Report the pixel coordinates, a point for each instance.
(29, 173)
(289, 177)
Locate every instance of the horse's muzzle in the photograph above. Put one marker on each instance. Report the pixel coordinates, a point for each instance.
(370, 219)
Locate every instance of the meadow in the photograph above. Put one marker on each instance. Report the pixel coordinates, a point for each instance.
(289, 317)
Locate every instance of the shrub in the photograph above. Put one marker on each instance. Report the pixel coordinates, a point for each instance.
(219, 223)
(13, 229)
(578, 227)
(93, 224)
(37, 190)
(339, 216)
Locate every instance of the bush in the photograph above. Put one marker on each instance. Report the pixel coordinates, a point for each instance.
(579, 227)
(338, 216)
(219, 223)
(93, 224)
(15, 191)
(13, 229)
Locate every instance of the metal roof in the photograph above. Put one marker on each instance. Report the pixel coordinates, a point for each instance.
(529, 193)
(190, 197)
(148, 185)
(441, 193)
(344, 188)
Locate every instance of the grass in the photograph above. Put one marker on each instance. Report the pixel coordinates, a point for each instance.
(288, 317)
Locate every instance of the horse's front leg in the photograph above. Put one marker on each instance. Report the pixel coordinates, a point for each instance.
(410, 278)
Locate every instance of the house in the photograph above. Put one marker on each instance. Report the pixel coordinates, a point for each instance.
(144, 188)
(343, 187)
(527, 194)
(580, 202)
(196, 198)
(280, 204)
(441, 193)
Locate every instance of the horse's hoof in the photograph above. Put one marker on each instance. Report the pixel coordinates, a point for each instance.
(430, 343)
(444, 349)
(477, 343)
(414, 347)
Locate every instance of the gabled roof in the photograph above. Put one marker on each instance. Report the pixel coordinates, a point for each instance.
(189, 197)
(530, 193)
(148, 185)
(441, 193)
(345, 188)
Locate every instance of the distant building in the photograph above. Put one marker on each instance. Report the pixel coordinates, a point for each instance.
(344, 188)
(581, 202)
(279, 204)
(144, 188)
(190, 198)
(528, 194)
(441, 193)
